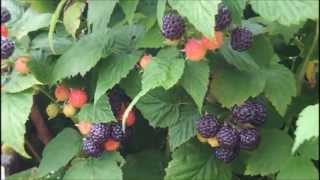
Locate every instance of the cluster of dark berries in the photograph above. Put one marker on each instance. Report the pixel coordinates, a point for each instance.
(119, 101)
(7, 46)
(229, 138)
(100, 137)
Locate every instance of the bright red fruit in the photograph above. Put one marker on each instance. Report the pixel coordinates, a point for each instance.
(214, 43)
(195, 50)
(62, 93)
(78, 98)
(4, 31)
(111, 145)
(145, 60)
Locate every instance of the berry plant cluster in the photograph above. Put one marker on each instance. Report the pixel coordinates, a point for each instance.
(160, 89)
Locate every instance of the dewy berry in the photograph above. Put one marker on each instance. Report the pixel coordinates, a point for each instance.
(21, 65)
(208, 126)
(249, 112)
(111, 145)
(69, 110)
(7, 48)
(4, 31)
(173, 26)
(5, 15)
(52, 110)
(90, 148)
(99, 133)
(228, 137)
(78, 98)
(116, 131)
(145, 60)
(226, 154)
(241, 39)
(61, 93)
(194, 50)
(213, 43)
(223, 18)
(249, 138)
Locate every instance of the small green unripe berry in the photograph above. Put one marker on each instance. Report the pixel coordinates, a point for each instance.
(52, 110)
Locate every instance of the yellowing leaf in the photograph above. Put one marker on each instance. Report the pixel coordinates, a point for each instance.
(311, 73)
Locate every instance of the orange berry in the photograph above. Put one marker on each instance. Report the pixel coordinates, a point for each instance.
(131, 119)
(78, 98)
(111, 145)
(21, 65)
(145, 60)
(214, 43)
(195, 50)
(62, 93)
(84, 127)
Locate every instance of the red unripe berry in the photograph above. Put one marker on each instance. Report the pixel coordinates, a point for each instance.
(78, 98)
(195, 50)
(145, 60)
(84, 127)
(131, 119)
(111, 145)
(21, 65)
(61, 93)
(213, 43)
(4, 31)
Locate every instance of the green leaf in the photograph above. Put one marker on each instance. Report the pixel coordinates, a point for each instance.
(307, 126)
(152, 39)
(310, 149)
(71, 17)
(262, 58)
(198, 73)
(60, 151)
(298, 168)
(91, 169)
(20, 82)
(29, 174)
(195, 9)
(286, 12)
(42, 6)
(185, 128)
(286, 31)
(30, 21)
(53, 23)
(272, 153)
(195, 161)
(15, 109)
(16, 10)
(99, 13)
(138, 165)
(280, 86)
(236, 8)
(161, 8)
(242, 60)
(81, 57)
(231, 86)
(112, 70)
(129, 7)
(99, 112)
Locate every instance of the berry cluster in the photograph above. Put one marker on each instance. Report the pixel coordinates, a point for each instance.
(119, 102)
(229, 138)
(100, 137)
(70, 97)
(7, 45)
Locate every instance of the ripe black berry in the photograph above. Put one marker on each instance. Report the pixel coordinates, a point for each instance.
(249, 138)
(241, 39)
(207, 126)
(99, 133)
(226, 154)
(7, 47)
(116, 131)
(249, 112)
(173, 26)
(227, 137)
(90, 148)
(5, 15)
(223, 18)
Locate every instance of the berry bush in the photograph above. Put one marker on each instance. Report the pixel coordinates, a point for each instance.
(160, 89)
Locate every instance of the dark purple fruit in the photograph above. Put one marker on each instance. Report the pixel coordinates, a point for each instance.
(227, 137)
(173, 26)
(207, 126)
(249, 139)
(223, 18)
(241, 39)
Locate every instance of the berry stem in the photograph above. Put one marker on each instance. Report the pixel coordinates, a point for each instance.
(46, 94)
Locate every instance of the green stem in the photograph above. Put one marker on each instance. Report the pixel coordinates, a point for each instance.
(302, 70)
(46, 94)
